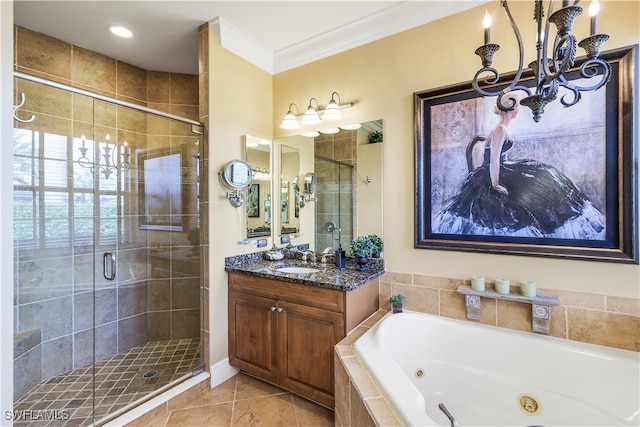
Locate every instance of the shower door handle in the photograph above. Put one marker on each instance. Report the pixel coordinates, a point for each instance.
(109, 265)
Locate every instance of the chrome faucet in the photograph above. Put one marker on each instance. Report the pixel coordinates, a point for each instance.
(309, 256)
(452, 420)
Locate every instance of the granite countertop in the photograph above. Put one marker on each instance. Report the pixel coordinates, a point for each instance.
(328, 276)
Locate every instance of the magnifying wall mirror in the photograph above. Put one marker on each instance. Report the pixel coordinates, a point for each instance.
(258, 203)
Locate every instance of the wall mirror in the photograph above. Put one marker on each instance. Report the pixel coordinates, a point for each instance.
(258, 202)
(289, 190)
(348, 173)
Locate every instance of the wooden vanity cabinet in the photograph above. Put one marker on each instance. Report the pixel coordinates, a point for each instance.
(284, 333)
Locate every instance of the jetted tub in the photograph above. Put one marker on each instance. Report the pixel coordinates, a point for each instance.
(489, 376)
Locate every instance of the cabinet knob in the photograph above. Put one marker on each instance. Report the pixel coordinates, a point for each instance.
(280, 309)
(273, 309)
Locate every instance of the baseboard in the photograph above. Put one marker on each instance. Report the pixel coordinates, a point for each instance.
(222, 371)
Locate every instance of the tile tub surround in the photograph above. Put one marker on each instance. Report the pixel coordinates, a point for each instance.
(597, 319)
(359, 401)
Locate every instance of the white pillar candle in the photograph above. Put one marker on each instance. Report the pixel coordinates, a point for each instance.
(503, 286)
(477, 283)
(528, 288)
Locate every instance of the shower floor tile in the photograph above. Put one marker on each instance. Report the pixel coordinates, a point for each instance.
(120, 380)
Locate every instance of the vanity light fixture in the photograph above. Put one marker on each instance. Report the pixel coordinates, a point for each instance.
(311, 115)
(120, 31)
(352, 126)
(332, 111)
(311, 134)
(290, 121)
(330, 131)
(549, 72)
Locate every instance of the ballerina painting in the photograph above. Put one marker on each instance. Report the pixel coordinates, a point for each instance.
(516, 197)
(493, 180)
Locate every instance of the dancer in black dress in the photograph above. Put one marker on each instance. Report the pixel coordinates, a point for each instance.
(523, 198)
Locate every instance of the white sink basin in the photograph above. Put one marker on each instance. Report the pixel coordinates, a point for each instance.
(298, 270)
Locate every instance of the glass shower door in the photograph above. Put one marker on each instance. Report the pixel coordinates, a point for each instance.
(107, 259)
(54, 230)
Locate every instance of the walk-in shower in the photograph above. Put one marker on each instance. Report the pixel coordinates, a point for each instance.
(107, 259)
(335, 210)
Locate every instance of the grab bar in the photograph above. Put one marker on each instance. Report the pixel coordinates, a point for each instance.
(109, 265)
(452, 420)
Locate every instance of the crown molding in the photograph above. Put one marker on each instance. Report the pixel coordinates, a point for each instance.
(242, 45)
(396, 18)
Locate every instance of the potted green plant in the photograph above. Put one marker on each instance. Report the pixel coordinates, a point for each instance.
(376, 243)
(375, 137)
(397, 302)
(361, 250)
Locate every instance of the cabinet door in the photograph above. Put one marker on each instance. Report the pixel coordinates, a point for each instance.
(307, 336)
(253, 335)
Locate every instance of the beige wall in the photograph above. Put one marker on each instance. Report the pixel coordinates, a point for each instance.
(240, 103)
(381, 78)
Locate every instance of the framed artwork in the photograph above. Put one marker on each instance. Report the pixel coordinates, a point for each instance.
(253, 201)
(160, 190)
(495, 182)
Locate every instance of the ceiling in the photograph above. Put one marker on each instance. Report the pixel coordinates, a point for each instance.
(274, 35)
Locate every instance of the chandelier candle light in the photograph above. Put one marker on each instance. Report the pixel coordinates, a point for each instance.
(110, 156)
(548, 72)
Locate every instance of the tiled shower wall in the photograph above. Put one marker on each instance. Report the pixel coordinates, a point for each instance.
(336, 201)
(157, 294)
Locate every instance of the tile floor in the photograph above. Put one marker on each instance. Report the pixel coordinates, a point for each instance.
(119, 381)
(242, 401)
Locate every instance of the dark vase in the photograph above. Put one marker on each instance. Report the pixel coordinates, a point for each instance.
(397, 308)
(362, 263)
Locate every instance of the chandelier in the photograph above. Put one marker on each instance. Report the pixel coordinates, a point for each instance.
(548, 72)
(107, 161)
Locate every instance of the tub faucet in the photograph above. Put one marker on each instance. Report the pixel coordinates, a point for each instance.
(452, 420)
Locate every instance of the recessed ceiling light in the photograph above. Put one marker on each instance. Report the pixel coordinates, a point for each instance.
(120, 31)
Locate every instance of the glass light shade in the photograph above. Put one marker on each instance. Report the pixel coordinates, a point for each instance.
(289, 121)
(310, 117)
(330, 131)
(352, 126)
(311, 134)
(332, 112)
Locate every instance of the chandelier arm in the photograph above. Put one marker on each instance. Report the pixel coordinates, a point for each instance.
(516, 32)
(572, 90)
(491, 79)
(565, 49)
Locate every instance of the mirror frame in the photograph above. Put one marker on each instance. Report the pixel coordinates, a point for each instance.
(228, 174)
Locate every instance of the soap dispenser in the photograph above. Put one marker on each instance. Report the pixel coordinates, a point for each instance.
(341, 258)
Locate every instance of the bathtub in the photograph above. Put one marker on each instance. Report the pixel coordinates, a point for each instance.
(489, 376)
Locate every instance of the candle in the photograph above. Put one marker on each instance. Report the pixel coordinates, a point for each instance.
(503, 286)
(486, 23)
(594, 9)
(528, 288)
(477, 283)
